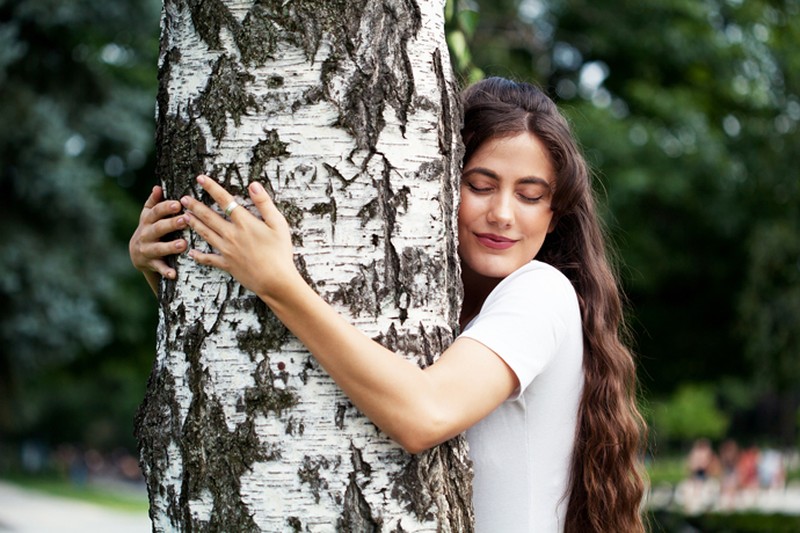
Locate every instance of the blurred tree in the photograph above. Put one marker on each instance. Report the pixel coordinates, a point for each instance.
(77, 86)
(689, 111)
(690, 413)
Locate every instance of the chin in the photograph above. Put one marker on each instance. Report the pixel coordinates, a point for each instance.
(495, 271)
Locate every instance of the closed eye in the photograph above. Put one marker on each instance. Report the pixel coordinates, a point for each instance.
(476, 189)
(531, 199)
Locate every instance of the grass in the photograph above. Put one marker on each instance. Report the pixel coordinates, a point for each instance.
(669, 469)
(97, 494)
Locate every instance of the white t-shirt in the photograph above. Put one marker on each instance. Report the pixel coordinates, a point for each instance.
(521, 452)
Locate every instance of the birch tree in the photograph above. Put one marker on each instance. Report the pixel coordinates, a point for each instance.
(346, 112)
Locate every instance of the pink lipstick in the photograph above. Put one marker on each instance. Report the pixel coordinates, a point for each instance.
(495, 242)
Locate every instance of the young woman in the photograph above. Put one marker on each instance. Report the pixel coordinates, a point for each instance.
(554, 434)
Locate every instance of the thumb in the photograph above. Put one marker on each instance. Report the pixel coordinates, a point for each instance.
(263, 202)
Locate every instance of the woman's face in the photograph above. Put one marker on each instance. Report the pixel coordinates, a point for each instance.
(505, 214)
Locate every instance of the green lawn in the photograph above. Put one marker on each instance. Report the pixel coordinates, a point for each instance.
(669, 469)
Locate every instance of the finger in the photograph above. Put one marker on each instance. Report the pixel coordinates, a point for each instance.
(156, 251)
(213, 260)
(203, 230)
(155, 197)
(157, 230)
(201, 213)
(162, 210)
(217, 192)
(164, 269)
(264, 204)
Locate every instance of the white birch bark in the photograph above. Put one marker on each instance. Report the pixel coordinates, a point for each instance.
(346, 111)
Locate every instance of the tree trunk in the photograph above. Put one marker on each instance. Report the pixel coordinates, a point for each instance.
(346, 111)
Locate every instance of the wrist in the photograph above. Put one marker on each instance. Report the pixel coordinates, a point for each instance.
(280, 294)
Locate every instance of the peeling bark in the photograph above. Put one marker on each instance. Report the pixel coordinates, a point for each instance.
(345, 111)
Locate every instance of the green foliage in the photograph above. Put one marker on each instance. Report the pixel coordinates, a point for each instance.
(460, 26)
(77, 94)
(690, 413)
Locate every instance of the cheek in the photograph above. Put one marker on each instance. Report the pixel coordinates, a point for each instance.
(468, 207)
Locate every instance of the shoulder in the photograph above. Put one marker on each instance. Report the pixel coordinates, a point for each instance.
(526, 319)
(535, 293)
(535, 281)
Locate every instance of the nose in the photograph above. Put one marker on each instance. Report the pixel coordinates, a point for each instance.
(501, 210)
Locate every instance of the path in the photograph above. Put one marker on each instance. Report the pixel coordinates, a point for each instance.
(27, 511)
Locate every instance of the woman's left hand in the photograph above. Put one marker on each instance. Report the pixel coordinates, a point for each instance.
(258, 253)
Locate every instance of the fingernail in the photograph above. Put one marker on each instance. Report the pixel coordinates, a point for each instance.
(185, 200)
(178, 245)
(171, 274)
(256, 188)
(201, 179)
(175, 206)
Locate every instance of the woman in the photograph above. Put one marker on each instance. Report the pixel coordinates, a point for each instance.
(554, 434)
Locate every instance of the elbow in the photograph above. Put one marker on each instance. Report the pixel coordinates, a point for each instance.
(423, 432)
(414, 446)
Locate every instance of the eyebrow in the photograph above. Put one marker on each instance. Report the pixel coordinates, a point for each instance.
(492, 174)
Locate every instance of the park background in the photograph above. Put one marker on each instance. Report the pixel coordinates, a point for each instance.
(687, 110)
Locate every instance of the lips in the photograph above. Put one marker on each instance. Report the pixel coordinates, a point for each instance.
(495, 242)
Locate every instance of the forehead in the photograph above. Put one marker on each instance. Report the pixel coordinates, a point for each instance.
(515, 156)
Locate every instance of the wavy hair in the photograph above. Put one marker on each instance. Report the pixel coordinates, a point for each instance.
(606, 483)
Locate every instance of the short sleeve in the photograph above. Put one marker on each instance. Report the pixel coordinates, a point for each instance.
(524, 320)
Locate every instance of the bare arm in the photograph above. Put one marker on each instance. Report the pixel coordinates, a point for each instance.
(417, 408)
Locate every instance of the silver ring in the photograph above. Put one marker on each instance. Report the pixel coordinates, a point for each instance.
(230, 207)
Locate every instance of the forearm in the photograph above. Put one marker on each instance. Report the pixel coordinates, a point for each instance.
(394, 393)
(153, 279)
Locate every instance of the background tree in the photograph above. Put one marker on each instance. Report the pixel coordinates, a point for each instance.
(76, 100)
(346, 112)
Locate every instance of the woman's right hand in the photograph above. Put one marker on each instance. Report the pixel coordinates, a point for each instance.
(147, 250)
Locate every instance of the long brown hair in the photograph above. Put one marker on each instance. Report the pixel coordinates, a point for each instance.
(606, 480)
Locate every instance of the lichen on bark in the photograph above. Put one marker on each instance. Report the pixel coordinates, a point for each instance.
(214, 457)
(226, 95)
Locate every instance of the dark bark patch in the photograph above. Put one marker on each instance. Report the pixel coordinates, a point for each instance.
(265, 397)
(180, 154)
(156, 425)
(294, 523)
(325, 208)
(257, 37)
(208, 18)
(356, 512)
(271, 335)
(268, 148)
(309, 474)
(363, 293)
(225, 95)
(410, 488)
(294, 216)
(368, 211)
(214, 457)
(438, 471)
